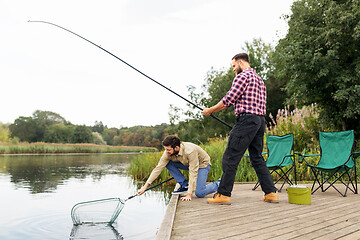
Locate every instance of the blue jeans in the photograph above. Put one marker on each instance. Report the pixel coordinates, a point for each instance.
(202, 189)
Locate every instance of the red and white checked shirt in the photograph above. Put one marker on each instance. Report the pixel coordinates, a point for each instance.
(247, 93)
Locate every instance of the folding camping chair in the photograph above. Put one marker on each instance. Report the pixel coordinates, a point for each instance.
(280, 157)
(336, 162)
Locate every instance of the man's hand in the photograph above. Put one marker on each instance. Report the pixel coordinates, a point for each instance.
(207, 111)
(218, 107)
(186, 198)
(142, 189)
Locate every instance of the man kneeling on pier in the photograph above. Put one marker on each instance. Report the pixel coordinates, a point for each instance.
(186, 156)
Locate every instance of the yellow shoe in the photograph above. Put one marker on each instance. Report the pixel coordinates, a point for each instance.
(220, 199)
(271, 197)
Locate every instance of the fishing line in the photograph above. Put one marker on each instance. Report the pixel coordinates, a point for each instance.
(132, 68)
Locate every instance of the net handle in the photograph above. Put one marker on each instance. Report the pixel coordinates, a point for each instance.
(150, 188)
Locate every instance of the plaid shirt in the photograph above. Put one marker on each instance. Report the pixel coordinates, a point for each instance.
(247, 93)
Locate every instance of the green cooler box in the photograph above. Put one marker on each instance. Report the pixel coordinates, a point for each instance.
(298, 194)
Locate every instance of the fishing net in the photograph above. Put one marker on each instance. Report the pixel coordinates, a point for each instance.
(101, 211)
(97, 211)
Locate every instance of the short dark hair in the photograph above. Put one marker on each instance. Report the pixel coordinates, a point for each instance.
(242, 56)
(171, 140)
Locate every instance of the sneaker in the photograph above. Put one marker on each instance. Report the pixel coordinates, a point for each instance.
(220, 199)
(271, 197)
(218, 182)
(180, 190)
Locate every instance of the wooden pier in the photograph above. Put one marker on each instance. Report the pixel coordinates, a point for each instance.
(330, 216)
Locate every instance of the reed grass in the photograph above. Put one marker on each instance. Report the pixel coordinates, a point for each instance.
(141, 167)
(46, 148)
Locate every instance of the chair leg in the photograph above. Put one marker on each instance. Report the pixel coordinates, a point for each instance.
(284, 175)
(356, 189)
(331, 184)
(256, 186)
(323, 179)
(316, 173)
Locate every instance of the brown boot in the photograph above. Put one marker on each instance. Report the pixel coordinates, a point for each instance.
(271, 197)
(220, 199)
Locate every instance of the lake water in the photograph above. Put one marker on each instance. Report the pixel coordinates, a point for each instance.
(38, 192)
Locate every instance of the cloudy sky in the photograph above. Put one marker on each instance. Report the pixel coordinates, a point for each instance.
(174, 42)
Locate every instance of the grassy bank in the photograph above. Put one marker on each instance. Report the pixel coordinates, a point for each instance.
(142, 165)
(41, 148)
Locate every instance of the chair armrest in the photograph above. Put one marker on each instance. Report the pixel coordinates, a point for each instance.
(311, 155)
(301, 155)
(308, 155)
(356, 154)
(291, 155)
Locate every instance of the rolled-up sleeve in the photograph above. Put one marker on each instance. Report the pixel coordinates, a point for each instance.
(164, 160)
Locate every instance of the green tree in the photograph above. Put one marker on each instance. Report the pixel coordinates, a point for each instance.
(109, 134)
(24, 128)
(32, 129)
(98, 127)
(4, 133)
(59, 133)
(82, 134)
(276, 90)
(43, 120)
(320, 59)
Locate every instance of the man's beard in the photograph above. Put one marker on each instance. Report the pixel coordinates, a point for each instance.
(238, 71)
(175, 153)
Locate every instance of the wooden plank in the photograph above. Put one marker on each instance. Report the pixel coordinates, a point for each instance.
(164, 232)
(248, 217)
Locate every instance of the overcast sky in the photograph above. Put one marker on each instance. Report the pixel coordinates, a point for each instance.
(175, 42)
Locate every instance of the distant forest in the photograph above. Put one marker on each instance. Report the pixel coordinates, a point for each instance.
(50, 127)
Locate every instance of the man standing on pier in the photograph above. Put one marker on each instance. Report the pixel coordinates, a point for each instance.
(186, 156)
(248, 96)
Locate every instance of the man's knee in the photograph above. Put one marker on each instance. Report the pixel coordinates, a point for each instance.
(200, 193)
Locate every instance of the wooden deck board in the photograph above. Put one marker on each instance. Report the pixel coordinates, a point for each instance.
(330, 216)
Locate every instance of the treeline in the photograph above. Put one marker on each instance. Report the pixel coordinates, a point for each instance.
(50, 127)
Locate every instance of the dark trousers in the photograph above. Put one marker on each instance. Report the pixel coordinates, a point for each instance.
(247, 133)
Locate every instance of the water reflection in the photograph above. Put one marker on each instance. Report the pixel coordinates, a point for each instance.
(95, 232)
(43, 173)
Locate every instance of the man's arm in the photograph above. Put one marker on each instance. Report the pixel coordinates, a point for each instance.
(216, 108)
(164, 160)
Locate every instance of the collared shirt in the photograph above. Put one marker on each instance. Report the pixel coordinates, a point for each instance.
(247, 93)
(189, 155)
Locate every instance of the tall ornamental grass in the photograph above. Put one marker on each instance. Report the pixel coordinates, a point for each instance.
(303, 123)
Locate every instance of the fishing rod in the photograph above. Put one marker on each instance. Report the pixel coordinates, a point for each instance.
(133, 68)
